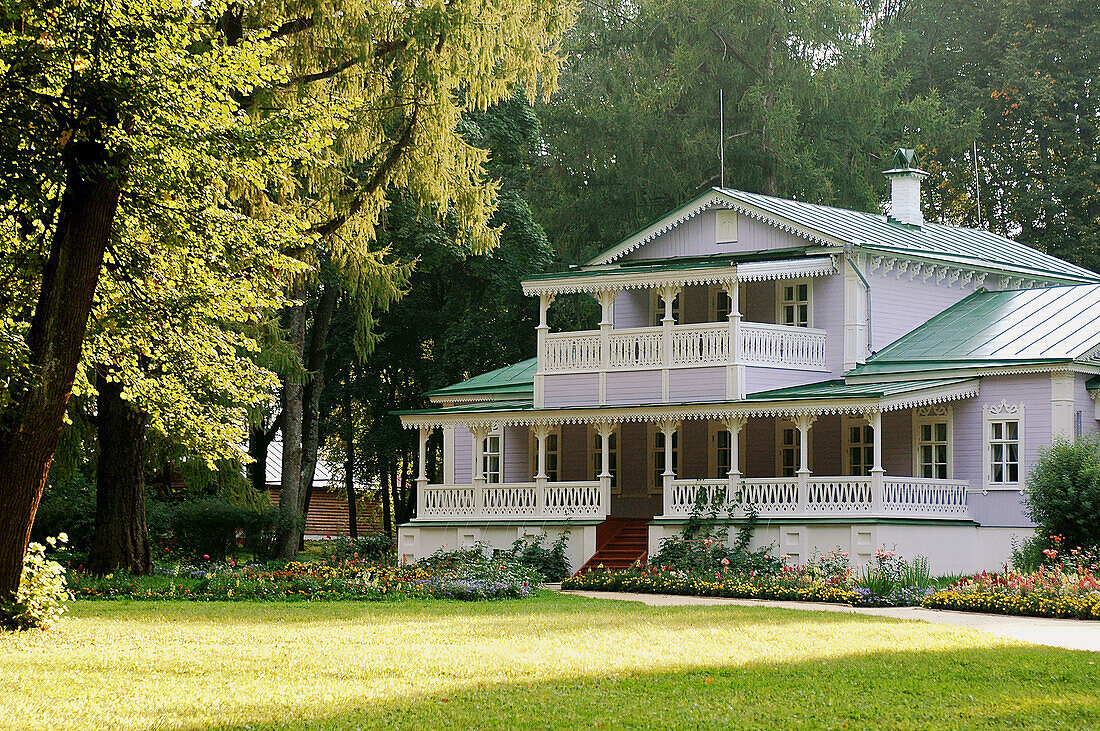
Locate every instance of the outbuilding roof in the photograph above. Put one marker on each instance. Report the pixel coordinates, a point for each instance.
(829, 226)
(509, 382)
(1030, 326)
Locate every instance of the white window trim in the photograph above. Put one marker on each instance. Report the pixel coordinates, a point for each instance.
(498, 432)
(651, 464)
(533, 451)
(934, 415)
(846, 424)
(779, 284)
(1003, 411)
(780, 425)
(712, 456)
(590, 458)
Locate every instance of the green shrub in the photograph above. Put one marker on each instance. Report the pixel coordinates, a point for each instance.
(369, 548)
(550, 562)
(1063, 495)
(209, 529)
(40, 601)
(67, 507)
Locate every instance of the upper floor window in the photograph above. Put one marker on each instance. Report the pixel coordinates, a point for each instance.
(1004, 438)
(658, 309)
(794, 303)
(492, 457)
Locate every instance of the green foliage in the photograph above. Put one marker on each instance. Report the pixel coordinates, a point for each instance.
(550, 562)
(40, 601)
(477, 572)
(67, 506)
(374, 548)
(209, 529)
(1063, 495)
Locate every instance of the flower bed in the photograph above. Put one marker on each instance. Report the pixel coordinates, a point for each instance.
(1058, 591)
(467, 578)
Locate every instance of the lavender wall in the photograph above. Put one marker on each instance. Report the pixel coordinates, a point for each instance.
(464, 456)
(633, 387)
(631, 309)
(517, 459)
(899, 305)
(999, 507)
(696, 237)
(765, 379)
(573, 389)
(828, 308)
(696, 384)
(1083, 403)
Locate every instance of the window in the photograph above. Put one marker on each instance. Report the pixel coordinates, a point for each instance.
(722, 306)
(859, 447)
(718, 462)
(657, 461)
(1004, 446)
(491, 457)
(723, 452)
(794, 303)
(612, 457)
(932, 449)
(790, 442)
(553, 455)
(1004, 451)
(658, 309)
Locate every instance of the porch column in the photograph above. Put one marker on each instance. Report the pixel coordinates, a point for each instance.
(668, 294)
(803, 422)
(668, 428)
(480, 433)
(422, 467)
(735, 370)
(605, 430)
(543, 329)
(606, 299)
(734, 425)
(874, 418)
(541, 432)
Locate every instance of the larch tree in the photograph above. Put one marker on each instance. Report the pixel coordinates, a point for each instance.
(110, 110)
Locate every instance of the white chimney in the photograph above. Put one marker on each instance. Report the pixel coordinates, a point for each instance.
(905, 179)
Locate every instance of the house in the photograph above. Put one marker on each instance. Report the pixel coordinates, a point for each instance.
(860, 380)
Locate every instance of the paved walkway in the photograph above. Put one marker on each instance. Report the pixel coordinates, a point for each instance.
(1072, 634)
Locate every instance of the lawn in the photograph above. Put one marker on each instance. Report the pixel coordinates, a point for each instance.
(548, 662)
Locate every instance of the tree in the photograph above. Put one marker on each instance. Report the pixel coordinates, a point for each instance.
(1063, 493)
(812, 109)
(405, 73)
(110, 110)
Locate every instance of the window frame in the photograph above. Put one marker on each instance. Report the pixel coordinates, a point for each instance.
(717, 428)
(652, 460)
(867, 448)
(1002, 413)
(497, 434)
(781, 302)
(782, 425)
(594, 457)
(932, 415)
(533, 450)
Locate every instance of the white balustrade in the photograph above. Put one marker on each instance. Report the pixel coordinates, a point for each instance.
(924, 497)
(837, 497)
(782, 346)
(508, 500)
(777, 346)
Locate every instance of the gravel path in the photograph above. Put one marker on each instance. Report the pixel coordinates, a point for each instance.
(1072, 634)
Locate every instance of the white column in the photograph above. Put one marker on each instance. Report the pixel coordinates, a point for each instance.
(543, 329)
(607, 300)
(668, 294)
(734, 425)
(448, 455)
(605, 430)
(735, 370)
(669, 474)
(541, 432)
(479, 433)
(803, 423)
(874, 418)
(422, 467)
(855, 318)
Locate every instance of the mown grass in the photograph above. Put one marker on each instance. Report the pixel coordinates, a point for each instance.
(548, 662)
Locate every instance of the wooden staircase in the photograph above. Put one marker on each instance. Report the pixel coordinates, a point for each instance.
(619, 543)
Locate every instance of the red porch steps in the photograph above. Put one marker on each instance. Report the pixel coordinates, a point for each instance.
(619, 543)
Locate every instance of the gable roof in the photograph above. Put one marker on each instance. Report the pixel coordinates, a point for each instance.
(1030, 326)
(510, 382)
(829, 226)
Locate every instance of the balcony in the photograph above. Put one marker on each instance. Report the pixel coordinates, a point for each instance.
(774, 346)
(825, 497)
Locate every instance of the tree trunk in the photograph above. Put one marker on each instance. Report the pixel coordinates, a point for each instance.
(349, 463)
(384, 478)
(259, 439)
(30, 428)
(290, 496)
(121, 537)
(316, 359)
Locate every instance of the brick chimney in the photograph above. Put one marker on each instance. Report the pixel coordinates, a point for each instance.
(905, 179)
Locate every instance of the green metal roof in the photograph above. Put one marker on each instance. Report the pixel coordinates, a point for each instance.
(1056, 324)
(840, 390)
(875, 232)
(515, 380)
(678, 262)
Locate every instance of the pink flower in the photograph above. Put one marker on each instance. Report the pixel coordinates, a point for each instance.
(206, 556)
(725, 562)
